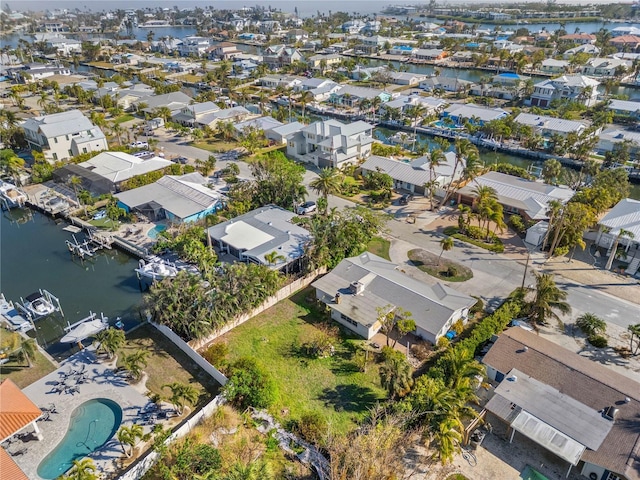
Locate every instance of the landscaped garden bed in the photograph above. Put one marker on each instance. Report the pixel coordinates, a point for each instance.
(441, 268)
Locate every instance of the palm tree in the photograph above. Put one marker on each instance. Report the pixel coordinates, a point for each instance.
(83, 469)
(614, 247)
(129, 436)
(273, 257)
(446, 244)
(465, 150)
(304, 99)
(396, 376)
(461, 368)
(436, 159)
(182, 393)
(448, 438)
(163, 112)
(256, 470)
(11, 164)
(548, 297)
(110, 341)
(327, 183)
(27, 351)
(205, 167)
(634, 330)
(134, 363)
(591, 324)
(415, 112)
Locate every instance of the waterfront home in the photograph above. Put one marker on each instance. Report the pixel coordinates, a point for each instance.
(330, 143)
(166, 45)
(413, 176)
(549, 126)
(277, 56)
(190, 114)
(576, 88)
(261, 124)
(124, 97)
(624, 30)
(118, 167)
(406, 78)
(432, 105)
(360, 288)
(64, 46)
(605, 67)
(315, 83)
(624, 108)
(608, 138)
(430, 54)
(448, 84)
(256, 235)
(174, 101)
(506, 86)
(281, 134)
(324, 61)
(527, 198)
(179, 199)
(626, 43)
(401, 50)
(578, 38)
(34, 72)
(225, 51)
(460, 113)
(60, 136)
(296, 35)
(625, 216)
(572, 406)
(587, 48)
(234, 114)
(194, 46)
(284, 81)
(351, 96)
(554, 67)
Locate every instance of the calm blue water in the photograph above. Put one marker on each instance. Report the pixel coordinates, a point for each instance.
(92, 425)
(153, 233)
(33, 255)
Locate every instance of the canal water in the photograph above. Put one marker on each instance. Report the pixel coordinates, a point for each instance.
(33, 256)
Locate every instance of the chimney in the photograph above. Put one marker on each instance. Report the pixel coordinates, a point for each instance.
(610, 413)
(338, 298)
(356, 288)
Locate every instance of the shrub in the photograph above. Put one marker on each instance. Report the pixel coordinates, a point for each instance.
(388, 353)
(517, 223)
(458, 327)
(452, 271)
(477, 307)
(349, 186)
(443, 343)
(450, 230)
(313, 427)
(497, 247)
(249, 385)
(598, 341)
(216, 354)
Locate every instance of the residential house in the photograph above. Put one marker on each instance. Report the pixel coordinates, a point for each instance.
(578, 38)
(432, 105)
(625, 108)
(284, 81)
(277, 56)
(166, 45)
(118, 167)
(260, 123)
(190, 114)
(623, 217)
(324, 61)
(429, 54)
(447, 84)
(225, 51)
(608, 138)
(413, 176)
(179, 199)
(475, 114)
(269, 26)
(64, 46)
(351, 96)
(297, 35)
(526, 198)
(17, 413)
(624, 30)
(554, 67)
(353, 26)
(174, 101)
(34, 72)
(605, 67)
(550, 126)
(575, 408)
(330, 143)
(506, 86)
(261, 232)
(314, 83)
(280, 134)
(576, 88)
(63, 135)
(127, 98)
(626, 43)
(234, 114)
(406, 78)
(586, 48)
(360, 288)
(405, 50)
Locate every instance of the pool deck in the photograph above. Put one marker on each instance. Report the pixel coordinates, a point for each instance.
(102, 382)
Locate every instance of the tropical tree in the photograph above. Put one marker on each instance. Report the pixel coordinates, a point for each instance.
(551, 171)
(226, 129)
(182, 394)
(129, 436)
(591, 324)
(135, 362)
(255, 470)
(634, 330)
(416, 112)
(206, 167)
(465, 152)
(396, 375)
(11, 164)
(614, 248)
(83, 469)
(447, 245)
(327, 183)
(547, 298)
(27, 352)
(274, 257)
(304, 99)
(436, 159)
(109, 341)
(460, 368)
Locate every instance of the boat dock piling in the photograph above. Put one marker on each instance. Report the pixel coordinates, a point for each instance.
(94, 243)
(91, 316)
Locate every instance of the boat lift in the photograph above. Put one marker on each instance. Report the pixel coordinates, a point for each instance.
(46, 295)
(92, 316)
(89, 247)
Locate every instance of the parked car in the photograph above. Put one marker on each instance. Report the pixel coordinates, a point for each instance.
(306, 207)
(143, 153)
(139, 145)
(181, 160)
(406, 198)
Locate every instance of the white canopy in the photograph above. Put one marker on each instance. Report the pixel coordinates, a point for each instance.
(85, 330)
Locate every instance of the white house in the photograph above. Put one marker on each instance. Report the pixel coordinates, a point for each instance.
(190, 114)
(63, 135)
(608, 138)
(587, 48)
(118, 167)
(625, 216)
(432, 105)
(359, 288)
(567, 87)
(548, 126)
(194, 46)
(604, 67)
(330, 143)
(553, 66)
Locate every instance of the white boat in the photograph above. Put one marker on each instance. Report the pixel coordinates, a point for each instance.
(12, 317)
(40, 304)
(12, 196)
(156, 270)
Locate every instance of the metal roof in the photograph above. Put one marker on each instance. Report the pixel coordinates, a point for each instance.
(120, 166)
(58, 124)
(550, 123)
(625, 215)
(414, 173)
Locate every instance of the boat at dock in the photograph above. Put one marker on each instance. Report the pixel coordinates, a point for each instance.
(11, 196)
(39, 304)
(12, 317)
(85, 328)
(156, 269)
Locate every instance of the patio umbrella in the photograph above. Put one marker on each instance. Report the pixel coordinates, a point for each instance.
(84, 330)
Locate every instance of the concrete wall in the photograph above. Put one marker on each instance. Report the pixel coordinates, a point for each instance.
(281, 294)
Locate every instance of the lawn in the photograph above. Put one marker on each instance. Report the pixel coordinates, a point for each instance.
(19, 371)
(215, 145)
(379, 246)
(428, 262)
(123, 118)
(333, 385)
(167, 363)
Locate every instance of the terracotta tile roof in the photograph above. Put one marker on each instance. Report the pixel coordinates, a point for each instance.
(584, 380)
(625, 39)
(8, 468)
(16, 410)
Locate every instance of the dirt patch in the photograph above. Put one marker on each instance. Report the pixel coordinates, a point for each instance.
(439, 267)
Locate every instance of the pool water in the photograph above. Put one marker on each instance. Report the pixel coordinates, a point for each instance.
(441, 124)
(92, 425)
(153, 233)
(530, 474)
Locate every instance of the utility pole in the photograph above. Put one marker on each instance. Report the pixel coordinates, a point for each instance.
(526, 267)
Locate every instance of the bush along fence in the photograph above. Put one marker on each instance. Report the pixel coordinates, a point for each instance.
(280, 295)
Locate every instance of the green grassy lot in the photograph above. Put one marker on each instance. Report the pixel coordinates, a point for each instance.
(333, 385)
(379, 246)
(428, 262)
(215, 145)
(19, 371)
(124, 118)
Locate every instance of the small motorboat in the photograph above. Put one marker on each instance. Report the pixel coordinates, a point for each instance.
(156, 270)
(39, 304)
(11, 195)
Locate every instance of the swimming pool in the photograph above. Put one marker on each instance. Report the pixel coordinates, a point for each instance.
(441, 124)
(92, 425)
(153, 233)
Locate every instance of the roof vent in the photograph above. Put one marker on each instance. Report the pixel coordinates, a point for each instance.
(356, 288)
(512, 378)
(610, 413)
(627, 399)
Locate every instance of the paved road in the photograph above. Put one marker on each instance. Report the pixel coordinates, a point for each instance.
(495, 276)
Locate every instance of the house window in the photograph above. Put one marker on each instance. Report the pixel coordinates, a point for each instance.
(67, 137)
(55, 156)
(70, 152)
(612, 476)
(55, 139)
(348, 320)
(84, 149)
(292, 144)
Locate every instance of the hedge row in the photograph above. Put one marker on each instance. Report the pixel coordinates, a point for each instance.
(495, 247)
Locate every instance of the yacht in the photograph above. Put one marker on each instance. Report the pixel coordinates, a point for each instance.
(11, 196)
